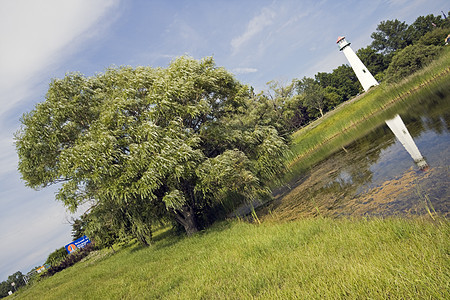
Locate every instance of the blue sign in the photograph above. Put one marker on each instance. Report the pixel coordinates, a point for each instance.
(77, 244)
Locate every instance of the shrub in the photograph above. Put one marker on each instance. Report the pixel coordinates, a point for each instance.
(57, 256)
(70, 260)
(410, 60)
(435, 37)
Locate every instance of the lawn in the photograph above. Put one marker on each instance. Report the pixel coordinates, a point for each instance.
(316, 258)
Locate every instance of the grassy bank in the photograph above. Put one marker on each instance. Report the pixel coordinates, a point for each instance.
(358, 116)
(306, 259)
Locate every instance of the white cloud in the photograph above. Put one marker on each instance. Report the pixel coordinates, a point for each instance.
(183, 36)
(38, 34)
(254, 27)
(238, 71)
(397, 2)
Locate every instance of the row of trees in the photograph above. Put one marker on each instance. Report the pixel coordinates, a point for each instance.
(147, 146)
(397, 50)
(13, 282)
(402, 49)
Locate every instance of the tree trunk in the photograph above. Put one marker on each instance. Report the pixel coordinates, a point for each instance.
(142, 240)
(186, 217)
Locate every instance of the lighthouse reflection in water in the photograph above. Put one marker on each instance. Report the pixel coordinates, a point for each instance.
(402, 134)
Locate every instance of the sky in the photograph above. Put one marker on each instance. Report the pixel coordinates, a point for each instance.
(257, 40)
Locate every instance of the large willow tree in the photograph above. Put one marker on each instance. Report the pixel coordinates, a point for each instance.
(149, 143)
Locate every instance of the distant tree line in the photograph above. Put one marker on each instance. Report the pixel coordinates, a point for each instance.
(397, 50)
(188, 143)
(13, 282)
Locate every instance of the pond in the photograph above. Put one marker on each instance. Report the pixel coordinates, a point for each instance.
(377, 175)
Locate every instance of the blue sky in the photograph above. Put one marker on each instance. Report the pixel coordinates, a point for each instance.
(257, 40)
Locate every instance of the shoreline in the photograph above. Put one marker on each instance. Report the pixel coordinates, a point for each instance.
(402, 97)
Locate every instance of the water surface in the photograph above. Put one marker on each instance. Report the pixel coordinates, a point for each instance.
(375, 175)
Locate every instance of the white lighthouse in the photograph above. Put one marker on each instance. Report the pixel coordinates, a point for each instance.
(365, 78)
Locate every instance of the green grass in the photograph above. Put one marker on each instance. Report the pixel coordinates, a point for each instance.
(307, 259)
(357, 117)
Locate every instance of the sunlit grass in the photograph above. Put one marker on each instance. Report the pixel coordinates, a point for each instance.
(307, 259)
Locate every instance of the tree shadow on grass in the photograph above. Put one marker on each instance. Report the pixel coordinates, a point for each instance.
(172, 236)
(161, 240)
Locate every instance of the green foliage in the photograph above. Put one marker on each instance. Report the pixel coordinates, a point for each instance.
(380, 76)
(69, 260)
(390, 36)
(72, 104)
(332, 98)
(133, 141)
(314, 98)
(56, 256)
(424, 24)
(5, 286)
(393, 35)
(435, 37)
(281, 107)
(375, 62)
(342, 79)
(410, 60)
(79, 227)
(107, 224)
